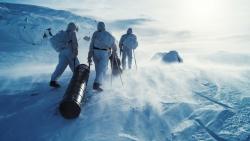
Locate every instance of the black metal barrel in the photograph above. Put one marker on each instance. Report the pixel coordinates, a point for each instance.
(70, 106)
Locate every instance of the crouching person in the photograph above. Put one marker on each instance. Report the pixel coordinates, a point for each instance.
(67, 53)
(101, 45)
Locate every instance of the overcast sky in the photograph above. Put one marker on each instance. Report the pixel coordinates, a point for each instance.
(214, 17)
(192, 12)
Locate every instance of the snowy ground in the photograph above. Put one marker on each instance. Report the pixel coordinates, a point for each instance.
(205, 98)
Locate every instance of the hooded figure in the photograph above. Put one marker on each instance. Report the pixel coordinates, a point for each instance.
(101, 45)
(67, 56)
(127, 43)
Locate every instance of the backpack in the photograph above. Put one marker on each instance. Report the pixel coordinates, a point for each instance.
(130, 41)
(59, 41)
(104, 40)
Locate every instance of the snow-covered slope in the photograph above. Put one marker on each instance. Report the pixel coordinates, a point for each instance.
(22, 28)
(158, 102)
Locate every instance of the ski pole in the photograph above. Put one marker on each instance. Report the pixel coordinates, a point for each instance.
(135, 59)
(112, 63)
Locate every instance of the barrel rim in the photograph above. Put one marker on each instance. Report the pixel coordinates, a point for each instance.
(69, 109)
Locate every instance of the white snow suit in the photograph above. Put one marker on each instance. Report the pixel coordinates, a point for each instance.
(101, 52)
(127, 52)
(68, 55)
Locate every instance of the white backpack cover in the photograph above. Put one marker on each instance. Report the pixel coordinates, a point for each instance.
(104, 40)
(59, 41)
(130, 41)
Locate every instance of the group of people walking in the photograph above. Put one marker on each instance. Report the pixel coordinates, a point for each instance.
(102, 48)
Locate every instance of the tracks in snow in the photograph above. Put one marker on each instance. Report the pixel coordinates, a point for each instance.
(215, 101)
(202, 125)
(210, 132)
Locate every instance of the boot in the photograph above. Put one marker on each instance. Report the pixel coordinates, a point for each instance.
(96, 86)
(54, 84)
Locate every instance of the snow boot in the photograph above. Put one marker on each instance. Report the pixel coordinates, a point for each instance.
(54, 84)
(96, 86)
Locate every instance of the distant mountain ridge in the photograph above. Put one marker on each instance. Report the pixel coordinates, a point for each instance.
(30, 20)
(24, 9)
(22, 29)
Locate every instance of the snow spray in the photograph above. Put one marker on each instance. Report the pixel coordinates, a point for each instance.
(70, 106)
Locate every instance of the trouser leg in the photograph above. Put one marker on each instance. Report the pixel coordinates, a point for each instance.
(104, 64)
(101, 64)
(97, 60)
(73, 63)
(98, 71)
(61, 66)
(124, 57)
(130, 57)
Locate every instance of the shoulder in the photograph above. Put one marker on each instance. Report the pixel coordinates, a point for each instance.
(71, 33)
(133, 36)
(94, 34)
(124, 36)
(108, 33)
